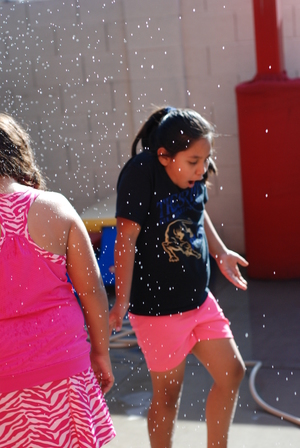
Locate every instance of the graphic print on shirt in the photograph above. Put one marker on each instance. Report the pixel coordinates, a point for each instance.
(178, 238)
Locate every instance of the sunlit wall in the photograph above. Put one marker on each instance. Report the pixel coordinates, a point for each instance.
(84, 74)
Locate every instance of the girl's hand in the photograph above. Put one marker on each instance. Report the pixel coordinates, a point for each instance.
(101, 366)
(116, 316)
(228, 265)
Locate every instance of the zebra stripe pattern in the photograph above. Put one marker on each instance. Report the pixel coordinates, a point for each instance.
(13, 214)
(71, 413)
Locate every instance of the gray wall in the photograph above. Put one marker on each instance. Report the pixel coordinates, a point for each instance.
(84, 74)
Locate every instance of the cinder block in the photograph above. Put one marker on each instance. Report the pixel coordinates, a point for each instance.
(13, 37)
(226, 118)
(296, 8)
(105, 180)
(234, 238)
(226, 151)
(115, 35)
(150, 9)
(105, 67)
(226, 209)
(121, 96)
(87, 98)
(200, 89)
(246, 67)
(289, 21)
(53, 157)
(81, 39)
(229, 180)
(244, 26)
(292, 57)
(83, 156)
(107, 157)
(244, 7)
(147, 93)
(202, 29)
(13, 104)
(33, 44)
(124, 150)
(148, 33)
(190, 8)
(77, 187)
(100, 11)
(110, 125)
(13, 17)
(65, 131)
(199, 66)
(45, 102)
(57, 70)
(223, 60)
(17, 75)
(217, 8)
(51, 12)
(3, 48)
(158, 63)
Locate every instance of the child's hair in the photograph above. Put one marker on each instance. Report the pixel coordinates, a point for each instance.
(175, 130)
(16, 155)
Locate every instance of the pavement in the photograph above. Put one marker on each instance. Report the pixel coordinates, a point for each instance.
(265, 322)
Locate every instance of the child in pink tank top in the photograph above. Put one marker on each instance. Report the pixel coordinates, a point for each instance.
(49, 372)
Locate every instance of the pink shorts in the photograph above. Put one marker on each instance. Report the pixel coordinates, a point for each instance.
(166, 340)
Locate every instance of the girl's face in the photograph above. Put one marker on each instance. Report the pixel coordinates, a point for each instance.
(188, 166)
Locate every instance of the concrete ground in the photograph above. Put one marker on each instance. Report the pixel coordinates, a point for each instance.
(265, 322)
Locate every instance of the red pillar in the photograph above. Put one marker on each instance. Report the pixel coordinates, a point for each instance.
(269, 136)
(268, 37)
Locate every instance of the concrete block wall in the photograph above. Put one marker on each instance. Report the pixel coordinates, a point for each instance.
(85, 74)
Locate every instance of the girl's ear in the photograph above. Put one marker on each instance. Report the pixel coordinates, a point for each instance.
(163, 156)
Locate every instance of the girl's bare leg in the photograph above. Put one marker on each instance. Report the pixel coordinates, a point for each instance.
(163, 410)
(223, 361)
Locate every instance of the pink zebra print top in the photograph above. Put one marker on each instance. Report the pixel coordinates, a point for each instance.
(42, 335)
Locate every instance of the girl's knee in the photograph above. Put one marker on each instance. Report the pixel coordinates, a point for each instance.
(241, 370)
(232, 377)
(168, 397)
(237, 372)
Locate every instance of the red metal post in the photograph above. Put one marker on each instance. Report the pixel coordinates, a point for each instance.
(269, 136)
(268, 37)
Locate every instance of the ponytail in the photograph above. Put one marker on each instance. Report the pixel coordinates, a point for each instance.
(147, 132)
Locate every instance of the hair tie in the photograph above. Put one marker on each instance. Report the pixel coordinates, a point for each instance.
(170, 109)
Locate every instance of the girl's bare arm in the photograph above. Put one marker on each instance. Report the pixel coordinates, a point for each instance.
(226, 259)
(127, 233)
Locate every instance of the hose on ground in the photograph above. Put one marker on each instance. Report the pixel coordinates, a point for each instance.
(125, 339)
(268, 408)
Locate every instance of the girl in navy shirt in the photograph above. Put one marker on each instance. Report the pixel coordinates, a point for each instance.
(164, 238)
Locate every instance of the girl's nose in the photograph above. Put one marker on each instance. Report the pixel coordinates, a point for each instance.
(201, 169)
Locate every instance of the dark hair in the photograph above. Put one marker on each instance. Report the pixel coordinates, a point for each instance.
(175, 130)
(16, 155)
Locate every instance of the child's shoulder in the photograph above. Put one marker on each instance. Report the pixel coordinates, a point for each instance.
(51, 197)
(54, 202)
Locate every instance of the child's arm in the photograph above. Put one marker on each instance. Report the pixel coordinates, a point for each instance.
(127, 233)
(227, 260)
(86, 278)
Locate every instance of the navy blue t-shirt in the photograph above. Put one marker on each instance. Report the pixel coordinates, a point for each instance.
(171, 269)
